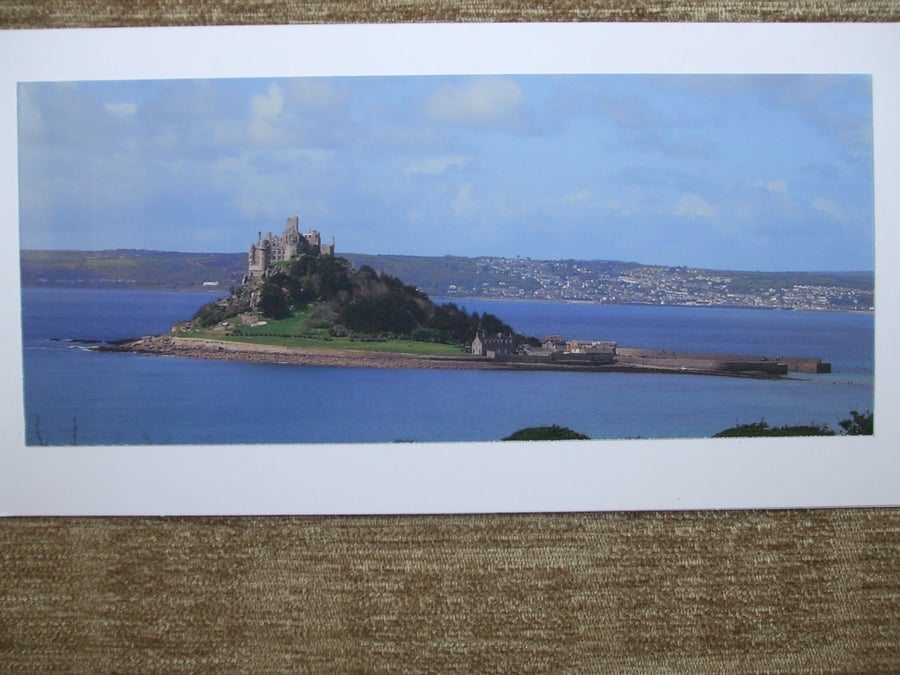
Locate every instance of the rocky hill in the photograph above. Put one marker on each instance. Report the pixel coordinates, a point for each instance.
(349, 301)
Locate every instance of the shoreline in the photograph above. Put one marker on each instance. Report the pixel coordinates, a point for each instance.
(223, 350)
(560, 301)
(459, 300)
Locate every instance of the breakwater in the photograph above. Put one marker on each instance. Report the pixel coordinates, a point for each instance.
(725, 363)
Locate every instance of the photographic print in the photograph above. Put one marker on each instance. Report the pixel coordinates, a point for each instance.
(446, 259)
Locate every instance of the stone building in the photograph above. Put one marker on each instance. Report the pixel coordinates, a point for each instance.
(492, 346)
(556, 344)
(271, 249)
(557, 350)
(591, 347)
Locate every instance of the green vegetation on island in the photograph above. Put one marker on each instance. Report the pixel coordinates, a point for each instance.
(315, 300)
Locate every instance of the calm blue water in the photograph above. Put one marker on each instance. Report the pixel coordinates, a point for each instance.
(76, 395)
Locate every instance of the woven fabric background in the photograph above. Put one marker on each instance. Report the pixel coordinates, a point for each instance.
(684, 591)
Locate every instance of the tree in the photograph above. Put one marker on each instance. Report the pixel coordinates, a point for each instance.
(762, 428)
(272, 303)
(859, 424)
(491, 324)
(552, 433)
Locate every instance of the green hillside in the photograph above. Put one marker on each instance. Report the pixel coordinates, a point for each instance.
(323, 296)
(132, 269)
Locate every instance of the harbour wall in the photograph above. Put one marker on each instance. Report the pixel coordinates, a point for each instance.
(775, 365)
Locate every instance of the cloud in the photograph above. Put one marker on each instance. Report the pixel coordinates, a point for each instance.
(30, 117)
(463, 203)
(484, 102)
(626, 111)
(583, 197)
(777, 186)
(271, 104)
(266, 110)
(502, 154)
(837, 106)
(435, 166)
(694, 206)
(312, 92)
(618, 207)
(833, 210)
(266, 184)
(123, 109)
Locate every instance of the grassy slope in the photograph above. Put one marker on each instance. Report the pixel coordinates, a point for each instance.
(386, 346)
(301, 331)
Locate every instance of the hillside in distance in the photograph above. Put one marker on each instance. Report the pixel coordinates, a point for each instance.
(602, 281)
(616, 282)
(132, 268)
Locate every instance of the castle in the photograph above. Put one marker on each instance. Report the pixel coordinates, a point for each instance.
(272, 249)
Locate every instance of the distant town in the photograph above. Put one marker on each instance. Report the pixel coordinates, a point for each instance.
(598, 281)
(611, 282)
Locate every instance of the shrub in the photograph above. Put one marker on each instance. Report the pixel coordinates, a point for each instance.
(551, 433)
(762, 428)
(859, 424)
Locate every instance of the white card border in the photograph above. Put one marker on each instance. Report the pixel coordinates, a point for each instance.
(467, 477)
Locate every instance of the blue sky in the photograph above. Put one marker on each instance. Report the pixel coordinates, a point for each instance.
(722, 171)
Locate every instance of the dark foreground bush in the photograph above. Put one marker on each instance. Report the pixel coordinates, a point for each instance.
(763, 429)
(858, 424)
(551, 433)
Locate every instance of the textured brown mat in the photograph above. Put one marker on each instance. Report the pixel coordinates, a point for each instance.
(69, 13)
(690, 592)
(693, 592)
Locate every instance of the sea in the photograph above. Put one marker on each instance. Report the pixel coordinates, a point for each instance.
(75, 395)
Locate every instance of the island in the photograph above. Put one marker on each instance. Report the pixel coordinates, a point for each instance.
(299, 303)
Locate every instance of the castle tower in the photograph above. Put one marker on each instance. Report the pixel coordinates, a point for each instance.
(291, 237)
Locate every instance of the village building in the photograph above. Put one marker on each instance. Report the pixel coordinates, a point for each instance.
(554, 343)
(555, 349)
(557, 345)
(492, 346)
(590, 347)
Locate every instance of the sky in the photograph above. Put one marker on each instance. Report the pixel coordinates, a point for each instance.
(742, 172)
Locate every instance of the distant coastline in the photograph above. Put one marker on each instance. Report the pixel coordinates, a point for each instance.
(460, 300)
(457, 279)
